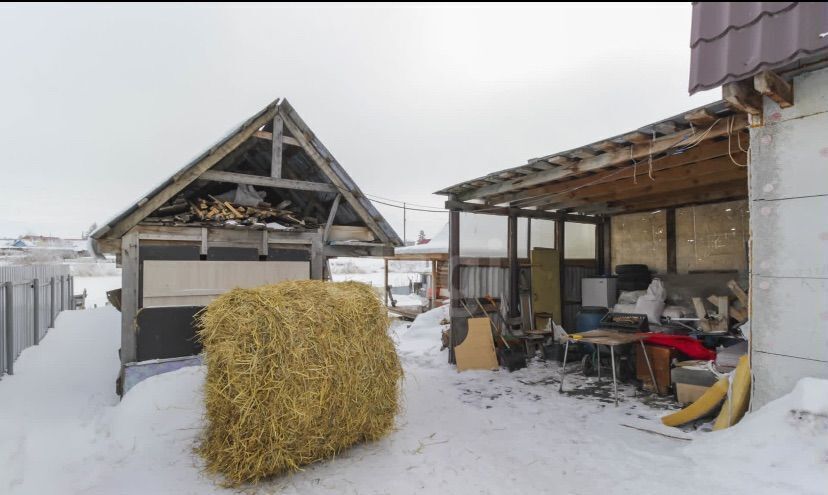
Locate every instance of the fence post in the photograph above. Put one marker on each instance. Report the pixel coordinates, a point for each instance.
(9, 327)
(71, 292)
(36, 314)
(52, 303)
(62, 292)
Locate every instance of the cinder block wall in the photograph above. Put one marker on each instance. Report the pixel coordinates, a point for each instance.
(789, 232)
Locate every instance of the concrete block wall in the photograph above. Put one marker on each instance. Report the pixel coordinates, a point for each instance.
(789, 235)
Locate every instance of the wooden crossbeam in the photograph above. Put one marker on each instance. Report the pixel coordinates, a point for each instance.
(741, 96)
(774, 87)
(268, 136)
(518, 212)
(605, 160)
(699, 153)
(259, 180)
(700, 117)
(723, 192)
(276, 148)
(677, 179)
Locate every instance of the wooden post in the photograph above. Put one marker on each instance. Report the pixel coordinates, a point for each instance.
(317, 258)
(560, 246)
(385, 282)
(434, 285)
(9, 288)
(52, 302)
(62, 292)
(514, 269)
(71, 292)
(129, 297)
(672, 245)
(36, 311)
(600, 268)
(276, 148)
(606, 227)
(454, 278)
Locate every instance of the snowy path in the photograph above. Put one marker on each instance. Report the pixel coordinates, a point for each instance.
(62, 430)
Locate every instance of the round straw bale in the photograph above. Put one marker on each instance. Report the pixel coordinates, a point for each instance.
(296, 372)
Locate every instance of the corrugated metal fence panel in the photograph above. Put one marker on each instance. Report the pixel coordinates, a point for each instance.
(23, 293)
(479, 281)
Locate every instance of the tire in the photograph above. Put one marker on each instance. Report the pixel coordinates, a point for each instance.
(632, 269)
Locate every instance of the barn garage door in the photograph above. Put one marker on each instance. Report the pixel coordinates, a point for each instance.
(196, 283)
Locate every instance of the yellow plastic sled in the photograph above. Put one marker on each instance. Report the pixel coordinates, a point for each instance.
(736, 405)
(701, 407)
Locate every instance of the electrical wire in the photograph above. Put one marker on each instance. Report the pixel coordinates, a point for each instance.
(374, 197)
(406, 207)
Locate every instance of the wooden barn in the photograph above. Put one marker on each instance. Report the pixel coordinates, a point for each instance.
(266, 203)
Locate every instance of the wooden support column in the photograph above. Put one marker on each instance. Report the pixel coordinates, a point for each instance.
(672, 245)
(435, 287)
(455, 314)
(606, 247)
(276, 148)
(560, 243)
(600, 268)
(317, 267)
(129, 297)
(514, 268)
(385, 282)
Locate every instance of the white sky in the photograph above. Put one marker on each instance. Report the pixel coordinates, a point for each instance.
(98, 104)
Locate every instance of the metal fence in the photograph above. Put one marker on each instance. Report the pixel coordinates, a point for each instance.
(31, 297)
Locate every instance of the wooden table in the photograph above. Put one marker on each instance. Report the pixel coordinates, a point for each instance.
(611, 339)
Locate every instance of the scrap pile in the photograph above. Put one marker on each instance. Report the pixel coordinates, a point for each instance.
(214, 211)
(296, 373)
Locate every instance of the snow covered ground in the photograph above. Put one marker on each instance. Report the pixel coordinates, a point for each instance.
(63, 430)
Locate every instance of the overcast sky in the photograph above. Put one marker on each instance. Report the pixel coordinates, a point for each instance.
(98, 104)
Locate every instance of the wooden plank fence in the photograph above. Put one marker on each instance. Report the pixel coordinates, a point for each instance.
(31, 297)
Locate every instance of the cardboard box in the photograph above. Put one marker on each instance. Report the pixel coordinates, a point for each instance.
(660, 359)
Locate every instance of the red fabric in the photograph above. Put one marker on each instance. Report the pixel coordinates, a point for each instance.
(684, 344)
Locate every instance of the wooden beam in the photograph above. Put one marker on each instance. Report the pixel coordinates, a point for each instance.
(454, 280)
(700, 117)
(725, 192)
(260, 180)
(674, 180)
(331, 216)
(600, 162)
(276, 148)
(268, 136)
(696, 154)
(517, 212)
(307, 142)
(148, 205)
(774, 87)
(514, 269)
(672, 244)
(741, 96)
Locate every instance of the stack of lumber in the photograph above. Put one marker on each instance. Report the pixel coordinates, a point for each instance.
(727, 307)
(213, 211)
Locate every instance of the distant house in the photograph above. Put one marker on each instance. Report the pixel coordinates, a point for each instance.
(771, 60)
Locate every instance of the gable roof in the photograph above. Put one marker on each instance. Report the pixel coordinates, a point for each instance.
(317, 173)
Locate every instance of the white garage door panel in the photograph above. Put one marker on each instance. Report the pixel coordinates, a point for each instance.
(196, 283)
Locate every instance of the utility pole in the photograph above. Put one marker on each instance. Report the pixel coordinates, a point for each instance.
(405, 240)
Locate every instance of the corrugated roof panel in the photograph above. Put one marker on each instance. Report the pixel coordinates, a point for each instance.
(731, 41)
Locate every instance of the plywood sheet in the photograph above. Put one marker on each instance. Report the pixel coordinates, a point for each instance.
(196, 283)
(546, 284)
(640, 238)
(477, 351)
